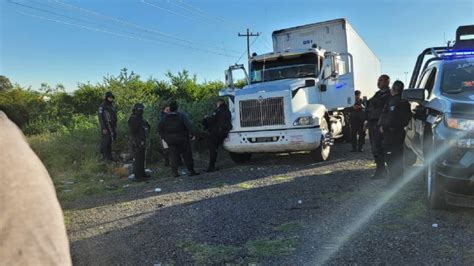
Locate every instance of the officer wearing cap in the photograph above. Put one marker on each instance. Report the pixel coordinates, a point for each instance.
(138, 129)
(175, 128)
(374, 110)
(218, 124)
(108, 125)
(395, 117)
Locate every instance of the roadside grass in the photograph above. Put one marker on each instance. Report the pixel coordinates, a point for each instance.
(67, 219)
(263, 248)
(72, 160)
(205, 254)
(288, 227)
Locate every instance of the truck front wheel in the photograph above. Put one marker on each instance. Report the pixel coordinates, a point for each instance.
(324, 149)
(240, 157)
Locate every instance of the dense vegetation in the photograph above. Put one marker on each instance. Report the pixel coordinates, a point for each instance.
(62, 127)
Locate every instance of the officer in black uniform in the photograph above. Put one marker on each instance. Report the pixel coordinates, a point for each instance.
(108, 125)
(176, 130)
(374, 110)
(138, 129)
(218, 124)
(357, 119)
(395, 117)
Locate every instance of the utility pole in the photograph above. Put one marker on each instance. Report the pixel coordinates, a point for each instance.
(406, 75)
(248, 35)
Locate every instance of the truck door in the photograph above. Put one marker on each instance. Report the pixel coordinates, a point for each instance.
(337, 81)
(416, 127)
(234, 74)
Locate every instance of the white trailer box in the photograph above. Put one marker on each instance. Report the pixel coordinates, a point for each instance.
(336, 36)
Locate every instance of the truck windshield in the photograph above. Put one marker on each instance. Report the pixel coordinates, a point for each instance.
(458, 76)
(300, 66)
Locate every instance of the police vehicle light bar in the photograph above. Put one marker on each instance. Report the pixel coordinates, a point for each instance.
(458, 53)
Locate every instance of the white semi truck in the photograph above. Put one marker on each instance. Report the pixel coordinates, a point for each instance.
(297, 96)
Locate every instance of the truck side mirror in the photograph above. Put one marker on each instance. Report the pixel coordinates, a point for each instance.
(229, 82)
(334, 74)
(322, 87)
(414, 95)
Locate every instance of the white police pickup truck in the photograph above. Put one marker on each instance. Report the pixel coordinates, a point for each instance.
(442, 130)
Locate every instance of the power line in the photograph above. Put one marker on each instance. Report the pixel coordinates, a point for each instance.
(248, 35)
(242, 55)
(170, 11)
(130, 24)
(60, 15)
(201, 13)
(118, 34)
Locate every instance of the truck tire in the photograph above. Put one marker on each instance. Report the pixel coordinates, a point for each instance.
(322, 152)
(435, 187)
(240, 157)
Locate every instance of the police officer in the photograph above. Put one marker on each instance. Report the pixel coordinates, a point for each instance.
(138, 129)
(374, 110)
(176, 130)
(164, 111)
(218, 124)
(108, 125)
(357, 118)
(395, 117)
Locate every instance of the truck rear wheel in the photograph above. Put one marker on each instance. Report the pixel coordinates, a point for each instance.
(435, 187)
(436, 193)
(324, 149)
(240, 157)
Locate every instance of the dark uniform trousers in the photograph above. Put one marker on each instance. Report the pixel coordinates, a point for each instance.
(393, 147)
(214, 141)
(106, 146)
(181, 150)
(357, 129)
(138, 151)
(376, 143)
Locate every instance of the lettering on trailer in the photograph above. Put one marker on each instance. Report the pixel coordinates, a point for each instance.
(305, 42)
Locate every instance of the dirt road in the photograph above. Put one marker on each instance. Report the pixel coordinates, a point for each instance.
(278, 209)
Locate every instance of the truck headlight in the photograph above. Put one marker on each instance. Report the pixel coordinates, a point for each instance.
(303, 121)
(459, 123)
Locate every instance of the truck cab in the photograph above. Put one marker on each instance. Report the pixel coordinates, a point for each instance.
(441, 132)
(297, 97)
(281, 109)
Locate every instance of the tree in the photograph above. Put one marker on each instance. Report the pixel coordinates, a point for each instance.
(5, 84)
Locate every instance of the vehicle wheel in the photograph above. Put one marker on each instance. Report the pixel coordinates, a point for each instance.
(436, 194)
(324, 149)
(240, 157)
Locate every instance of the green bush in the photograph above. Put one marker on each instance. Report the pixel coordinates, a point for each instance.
(63, 128)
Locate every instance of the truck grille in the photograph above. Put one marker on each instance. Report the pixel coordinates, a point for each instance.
(262, 112)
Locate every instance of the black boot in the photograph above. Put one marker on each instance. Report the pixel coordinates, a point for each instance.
(380, 171)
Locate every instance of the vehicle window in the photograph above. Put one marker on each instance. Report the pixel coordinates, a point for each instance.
(284, 67)
(430, 83)
(458, 76)
(424, 79)
(425, 82)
